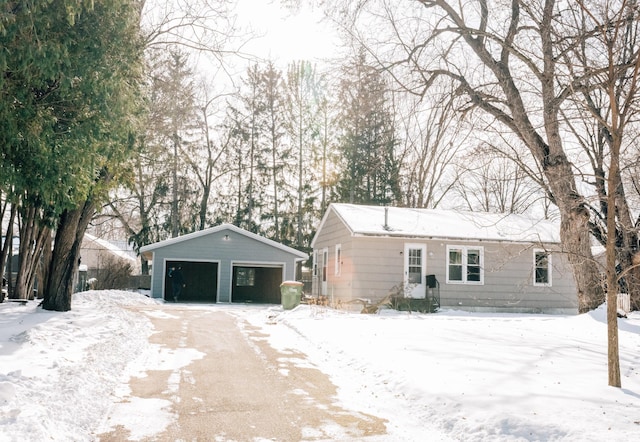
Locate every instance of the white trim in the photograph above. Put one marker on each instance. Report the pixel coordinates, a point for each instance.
(181, 259)
(148, 248)
(260, 264)
(464, 250)
(274, 264)
(549, 283)
(419, 290)
(330, 209)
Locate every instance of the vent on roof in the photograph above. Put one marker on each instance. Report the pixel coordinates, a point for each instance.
(386, 219)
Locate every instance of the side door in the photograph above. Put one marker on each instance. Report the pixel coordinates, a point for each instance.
(415, 269)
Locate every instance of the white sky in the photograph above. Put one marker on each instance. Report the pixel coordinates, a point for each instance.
(287, 37)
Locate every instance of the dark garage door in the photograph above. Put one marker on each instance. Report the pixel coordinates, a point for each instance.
(200, 278)
(255, 284)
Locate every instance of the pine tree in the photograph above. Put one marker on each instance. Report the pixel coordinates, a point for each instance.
(370, 171)
(70, 81)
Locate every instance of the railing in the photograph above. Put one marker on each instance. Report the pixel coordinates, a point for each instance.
(433, 292)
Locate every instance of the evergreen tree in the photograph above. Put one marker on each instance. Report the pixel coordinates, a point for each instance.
(71, 71)
(247, 126)
(370, 171)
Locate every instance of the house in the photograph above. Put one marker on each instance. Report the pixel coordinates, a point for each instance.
(476, 261)
(106, 264)
(98, 255)
(222, 264)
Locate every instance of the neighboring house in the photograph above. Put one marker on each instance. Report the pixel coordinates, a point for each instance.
(222, 264)
(477, 261)
(97, 254)
(106, 263)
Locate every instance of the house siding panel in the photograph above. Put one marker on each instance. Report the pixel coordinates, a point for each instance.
(377, 266)
(334, 232)
(508, 280)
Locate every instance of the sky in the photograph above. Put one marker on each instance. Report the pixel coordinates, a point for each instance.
(447, 376)
(287, 35)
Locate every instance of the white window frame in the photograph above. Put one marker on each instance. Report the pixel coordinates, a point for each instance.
(338, 260)
(549, 268)
(465, 250)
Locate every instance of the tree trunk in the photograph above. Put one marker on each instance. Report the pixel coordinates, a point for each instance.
(66, 252)
(7, 246)
(575, 229)
(32, 238)
(175, 230)
(43, 269)
(613, 184)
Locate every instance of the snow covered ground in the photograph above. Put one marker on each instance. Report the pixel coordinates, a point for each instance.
(450, 375)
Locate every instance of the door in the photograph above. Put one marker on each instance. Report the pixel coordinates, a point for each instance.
(415, 269)
(199, 281)
(325, 270)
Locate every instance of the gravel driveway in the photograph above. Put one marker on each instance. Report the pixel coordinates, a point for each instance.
(241, 389)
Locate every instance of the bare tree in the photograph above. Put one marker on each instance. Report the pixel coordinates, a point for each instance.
(492, 182)
(276, 147)
(431, 136)
(302, 88)
(206, 159)
(511, 64)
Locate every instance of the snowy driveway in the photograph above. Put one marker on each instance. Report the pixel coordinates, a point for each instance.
(215, 377)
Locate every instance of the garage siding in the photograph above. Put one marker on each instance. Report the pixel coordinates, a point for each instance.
(225, 246)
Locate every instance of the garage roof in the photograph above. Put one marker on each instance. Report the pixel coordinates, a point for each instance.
(146, 251)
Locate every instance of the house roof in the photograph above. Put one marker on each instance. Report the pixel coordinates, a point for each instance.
(437, 223)
(110, 247)
(146, 250)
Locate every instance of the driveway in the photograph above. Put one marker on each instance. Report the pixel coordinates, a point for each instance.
(238, 388)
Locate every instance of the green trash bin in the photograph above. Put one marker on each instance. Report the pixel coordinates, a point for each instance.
(291, 293)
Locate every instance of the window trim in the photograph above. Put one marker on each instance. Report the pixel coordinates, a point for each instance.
(465, 263)
(549, 282)
(338, 260)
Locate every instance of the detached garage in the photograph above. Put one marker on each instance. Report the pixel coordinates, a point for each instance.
(221, 264)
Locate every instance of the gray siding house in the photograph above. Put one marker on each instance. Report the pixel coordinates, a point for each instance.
(477, 261)
(222, 264)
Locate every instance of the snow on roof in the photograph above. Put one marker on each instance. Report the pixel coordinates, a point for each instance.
(438, 223)
(112, 248)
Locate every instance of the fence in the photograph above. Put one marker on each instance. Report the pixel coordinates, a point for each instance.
(624, 302)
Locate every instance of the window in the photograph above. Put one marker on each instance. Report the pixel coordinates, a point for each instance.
(455, 265)
(338, 268)
(464, 265)
(414, 266)
(315, 263)
(245, 277)
(541, 268)
(325, 264)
